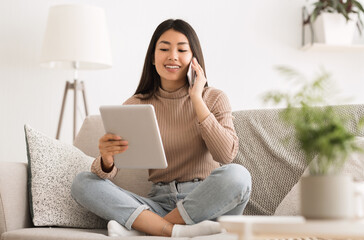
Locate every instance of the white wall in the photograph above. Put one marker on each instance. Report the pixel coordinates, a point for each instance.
(242, 42)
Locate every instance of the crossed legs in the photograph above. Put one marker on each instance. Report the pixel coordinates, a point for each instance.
(225, 191)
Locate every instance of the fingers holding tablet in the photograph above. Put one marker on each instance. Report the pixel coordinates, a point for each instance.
(110, 145)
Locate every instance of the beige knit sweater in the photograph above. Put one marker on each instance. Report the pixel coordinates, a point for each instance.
(192, 149)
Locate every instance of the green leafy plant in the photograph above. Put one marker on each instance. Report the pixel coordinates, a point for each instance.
(320, 131)
(338, 6)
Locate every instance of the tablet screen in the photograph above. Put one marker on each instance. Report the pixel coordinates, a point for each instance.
(138, 125)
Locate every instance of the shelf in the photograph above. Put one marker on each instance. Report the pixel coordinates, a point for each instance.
(308, 36)
(327, 47)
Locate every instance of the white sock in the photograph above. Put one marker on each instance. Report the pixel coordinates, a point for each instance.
(115, 229)
(199, 229)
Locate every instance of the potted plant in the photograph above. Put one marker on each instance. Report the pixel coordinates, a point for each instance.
(333, 21)
(326, 142)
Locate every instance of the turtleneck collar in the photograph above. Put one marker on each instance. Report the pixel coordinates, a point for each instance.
(179, 93)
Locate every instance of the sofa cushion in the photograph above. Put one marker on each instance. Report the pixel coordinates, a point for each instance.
(354, 166)
(14, 207)
(275, 165)
(87, 139)
(52, 167)
(44, 233)
(91, 234)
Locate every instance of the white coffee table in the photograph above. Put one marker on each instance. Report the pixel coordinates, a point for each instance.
(252, 227)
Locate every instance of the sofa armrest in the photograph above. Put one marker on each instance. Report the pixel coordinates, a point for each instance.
(14, 207)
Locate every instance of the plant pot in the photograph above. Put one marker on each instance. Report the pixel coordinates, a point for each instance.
(327, 197)
(333, 29)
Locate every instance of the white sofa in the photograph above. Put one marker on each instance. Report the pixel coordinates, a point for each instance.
(275, 168)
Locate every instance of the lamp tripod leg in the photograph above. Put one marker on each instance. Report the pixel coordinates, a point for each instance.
(75, 108)
(62, 109)
(84, 97)
(75, 86)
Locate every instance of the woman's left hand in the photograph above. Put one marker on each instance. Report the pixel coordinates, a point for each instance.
(196, 90)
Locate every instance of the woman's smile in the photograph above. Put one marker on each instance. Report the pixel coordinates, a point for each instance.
(172, 68)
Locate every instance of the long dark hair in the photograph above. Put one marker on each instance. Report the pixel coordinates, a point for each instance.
(150, 79)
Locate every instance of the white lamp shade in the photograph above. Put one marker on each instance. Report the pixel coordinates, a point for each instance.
(76, 34)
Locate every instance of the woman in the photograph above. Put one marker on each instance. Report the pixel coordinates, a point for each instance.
(198, 136)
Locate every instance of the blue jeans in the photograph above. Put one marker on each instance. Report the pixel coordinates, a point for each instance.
(225, 192)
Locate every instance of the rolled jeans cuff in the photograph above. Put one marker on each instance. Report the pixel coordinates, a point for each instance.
(184, 214)
(134, 215)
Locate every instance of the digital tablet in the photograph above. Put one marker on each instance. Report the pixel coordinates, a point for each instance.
(138, 125)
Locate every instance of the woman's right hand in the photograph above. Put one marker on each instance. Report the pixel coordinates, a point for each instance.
(110, 145)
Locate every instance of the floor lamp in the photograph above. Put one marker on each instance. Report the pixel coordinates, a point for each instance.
(76, 37)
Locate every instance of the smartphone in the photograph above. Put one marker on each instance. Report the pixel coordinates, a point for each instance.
(191, 75)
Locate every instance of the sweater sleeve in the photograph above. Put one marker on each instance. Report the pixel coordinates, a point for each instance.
(97, 169)
(218, 129)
